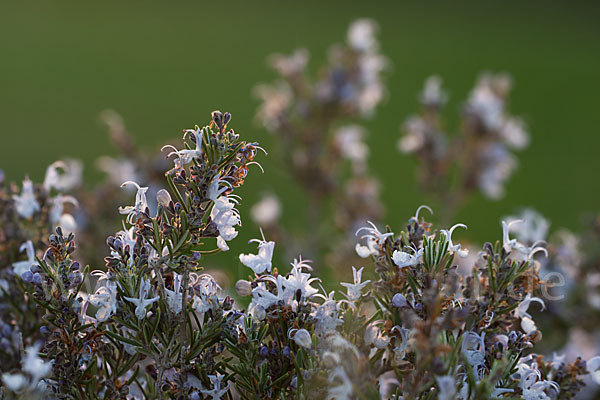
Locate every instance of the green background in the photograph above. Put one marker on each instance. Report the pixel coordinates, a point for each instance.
(164, 66)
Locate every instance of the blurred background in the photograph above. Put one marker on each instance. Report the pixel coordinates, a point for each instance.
(164, 67)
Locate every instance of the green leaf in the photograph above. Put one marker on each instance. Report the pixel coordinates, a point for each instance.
(123, 339)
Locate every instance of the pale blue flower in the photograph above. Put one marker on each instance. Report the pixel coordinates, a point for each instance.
(354, 289)
(25, 203)
(142, 302)
(216, 392)
(20, 267)
(140, 202)
(261, 262)
(225, 216)
(186, 156)
(105, 297)
(374, 239)
(175, 297)
(455, 247)
(403, 259)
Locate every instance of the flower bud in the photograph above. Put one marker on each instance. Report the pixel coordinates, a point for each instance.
(264, 351)
(37, 279)
(217, 117)
(226, 118)
(259, 313)
(75, 278)
(302, 338)
(27, 276)
(163, 197)
(399, 301)
(243, 288)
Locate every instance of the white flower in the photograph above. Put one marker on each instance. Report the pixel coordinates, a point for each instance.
(485, 103)
(26, 204)
(336, 343)
(514, 133)
(276, 99)
(527, 323)
(350, 144)
(388, 382)
(473, 347)
(507, 242)
(523, 252)
(267, 211)
(327, 317)
(214, 191)
(298, 282)
(209, 289)
(297, 285)
(593, 367)
(140, 202)
(175, 297)
(71, 175)
(447, 387)
(403, 259)
(225, 216)
(361, 35)
(524, 305)
(257, 311)
(261, 262)
(354, 289)
(14, 382)
(216, 392)
(20, 267)
(35, 366)
(401, 348)
(372, 90)
(374, 336)
(463, 394)
(342, 391)
(301, 337)
(67, 223)
(373, 238)
(105, 297)
(532, 228)
(497, 166)
(433, 95)
(142, 302)
(290, 65)
(455, 247)
(415, 218)
(264, 298)
(4, 285)
(529, 380)
(58, 203)
(83, 317)
(367, 250)
(417, 132)
(557, 360)
(187, 155)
